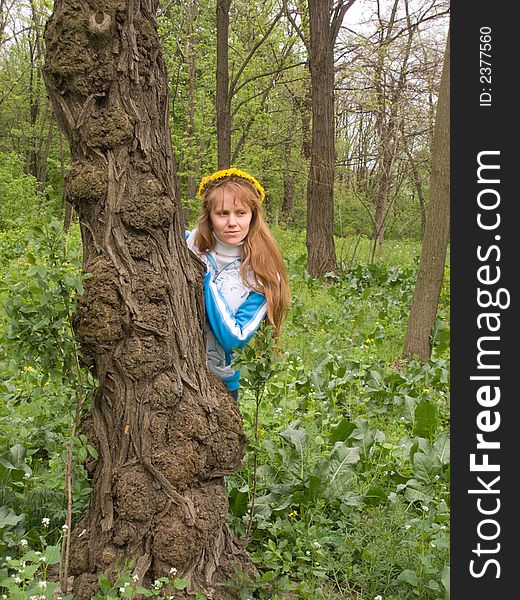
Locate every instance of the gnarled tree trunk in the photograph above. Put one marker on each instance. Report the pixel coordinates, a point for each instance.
(167, 431)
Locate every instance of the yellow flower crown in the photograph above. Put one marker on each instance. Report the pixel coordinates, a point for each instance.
(227, 173)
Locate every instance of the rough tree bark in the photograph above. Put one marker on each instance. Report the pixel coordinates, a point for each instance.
(166, 430)
(436, 235)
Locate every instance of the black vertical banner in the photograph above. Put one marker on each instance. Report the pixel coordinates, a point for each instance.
(485, 256)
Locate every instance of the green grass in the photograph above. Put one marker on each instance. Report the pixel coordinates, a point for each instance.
(341, 369)
(353, 442)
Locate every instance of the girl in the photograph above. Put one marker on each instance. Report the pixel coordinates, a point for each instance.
(245, 280)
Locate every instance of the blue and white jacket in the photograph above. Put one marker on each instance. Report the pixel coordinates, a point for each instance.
(233, 313)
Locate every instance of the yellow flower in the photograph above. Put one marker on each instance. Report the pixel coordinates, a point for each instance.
(227, 173)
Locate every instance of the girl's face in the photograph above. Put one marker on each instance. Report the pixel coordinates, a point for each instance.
(230, 218)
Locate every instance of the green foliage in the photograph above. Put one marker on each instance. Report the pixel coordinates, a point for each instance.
(352, 447)
(40, 381)
(345, 488)
(19, 191)
(125, 586)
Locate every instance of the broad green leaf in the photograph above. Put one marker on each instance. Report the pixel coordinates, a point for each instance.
(363, 435)
(445, 580)
(297, 437)
(52, 554)
(180, 584)
(17, 454)
(375, 496)
(341, 431)
(426, 466)
(409, 576)
(341, 458)
(425, 419)
(238, 500)
(442, 447)
(415, 495)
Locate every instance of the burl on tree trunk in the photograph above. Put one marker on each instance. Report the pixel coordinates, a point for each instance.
(166, 430)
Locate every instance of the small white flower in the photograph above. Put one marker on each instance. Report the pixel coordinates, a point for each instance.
(317, 544)
(27, 476)
(37, 553)
(46, 521)
(135, 577)
(43, 559)
(23, 543)
(17, 579)
(173, 571)
(42, 585)
(425, 508)
(407, 526)
(307, 552)
(157, 584)
(122, 590)
(432, 544)
(7, 558)
(378, 598)
(65, 527)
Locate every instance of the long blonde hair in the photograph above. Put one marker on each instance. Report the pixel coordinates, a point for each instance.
(260, 253)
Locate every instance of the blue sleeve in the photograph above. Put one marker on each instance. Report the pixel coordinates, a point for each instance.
(233, 331)
(187, 234)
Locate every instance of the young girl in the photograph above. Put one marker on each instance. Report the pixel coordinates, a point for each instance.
(245, 280)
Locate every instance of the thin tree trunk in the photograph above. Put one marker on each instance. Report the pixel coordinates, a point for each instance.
(388, 127)
(167, 431)
(419, 188)
(223, 100)
(190, 53)
(433, 255)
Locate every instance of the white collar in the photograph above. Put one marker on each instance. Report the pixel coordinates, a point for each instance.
(231, 250)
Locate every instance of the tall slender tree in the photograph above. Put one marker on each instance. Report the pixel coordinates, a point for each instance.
(325, 19)
(436, 235)
(223, 97)
(166, 430)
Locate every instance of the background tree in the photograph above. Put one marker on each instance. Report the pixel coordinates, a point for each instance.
(387, 71)
(436, 235)
(27, 128)
(324, 23)
(165, 429)
(223, 96)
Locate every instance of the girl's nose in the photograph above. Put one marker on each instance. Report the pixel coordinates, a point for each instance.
(232, 219)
